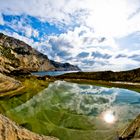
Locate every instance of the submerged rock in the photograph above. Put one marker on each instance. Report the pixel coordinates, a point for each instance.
(10, 131)
(132, 131)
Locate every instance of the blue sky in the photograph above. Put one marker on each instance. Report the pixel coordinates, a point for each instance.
(93, 34)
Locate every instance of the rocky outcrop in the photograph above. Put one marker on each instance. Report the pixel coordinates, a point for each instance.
(10, 131)
(8, 84)
(16, 55)
(132, 131)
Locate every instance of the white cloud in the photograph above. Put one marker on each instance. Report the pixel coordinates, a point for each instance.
(30, 32)
(101, 22)
(23, 27)
(35, 33)
(1, 20)
(106, 17)
(17, 36)
(67, 46)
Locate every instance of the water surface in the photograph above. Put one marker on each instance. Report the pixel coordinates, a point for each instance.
(51, 73)
(77, 111)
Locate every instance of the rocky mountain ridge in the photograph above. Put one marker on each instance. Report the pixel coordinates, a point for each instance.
(17, 55)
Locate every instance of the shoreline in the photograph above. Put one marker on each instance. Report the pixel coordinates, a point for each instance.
(118, 84)
(47, 79)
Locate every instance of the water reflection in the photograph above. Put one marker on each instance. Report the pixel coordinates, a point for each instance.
(109, 117)
(122, 104)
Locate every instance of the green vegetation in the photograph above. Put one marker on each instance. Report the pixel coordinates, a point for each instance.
(43, 115)
(32, 86)
(54, 122)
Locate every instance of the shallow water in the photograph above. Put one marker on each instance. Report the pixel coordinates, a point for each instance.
(65, 107)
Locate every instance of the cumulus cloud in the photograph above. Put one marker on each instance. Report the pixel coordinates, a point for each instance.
(23, 27)
(53, 11)
(97, 34)
(105, 17)
(73, 48)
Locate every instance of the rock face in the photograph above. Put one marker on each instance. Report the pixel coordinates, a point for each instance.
(15, 55)
(8, 84)
(132, 131)
(10, 131)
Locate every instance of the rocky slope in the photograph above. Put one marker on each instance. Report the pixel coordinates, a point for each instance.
(15, 55)
(10, 131)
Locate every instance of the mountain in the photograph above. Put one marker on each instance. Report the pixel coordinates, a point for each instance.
(64, 66)
(17, 55)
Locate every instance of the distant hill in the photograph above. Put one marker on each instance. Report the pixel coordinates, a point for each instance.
(129, 76)
(17, 55)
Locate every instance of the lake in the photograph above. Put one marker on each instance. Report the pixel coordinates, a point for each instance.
(51, 73)
(73, 111)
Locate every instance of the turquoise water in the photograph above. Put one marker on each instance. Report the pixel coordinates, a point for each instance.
(65, 109)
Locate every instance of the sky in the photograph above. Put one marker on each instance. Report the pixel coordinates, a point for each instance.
(95, 35)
